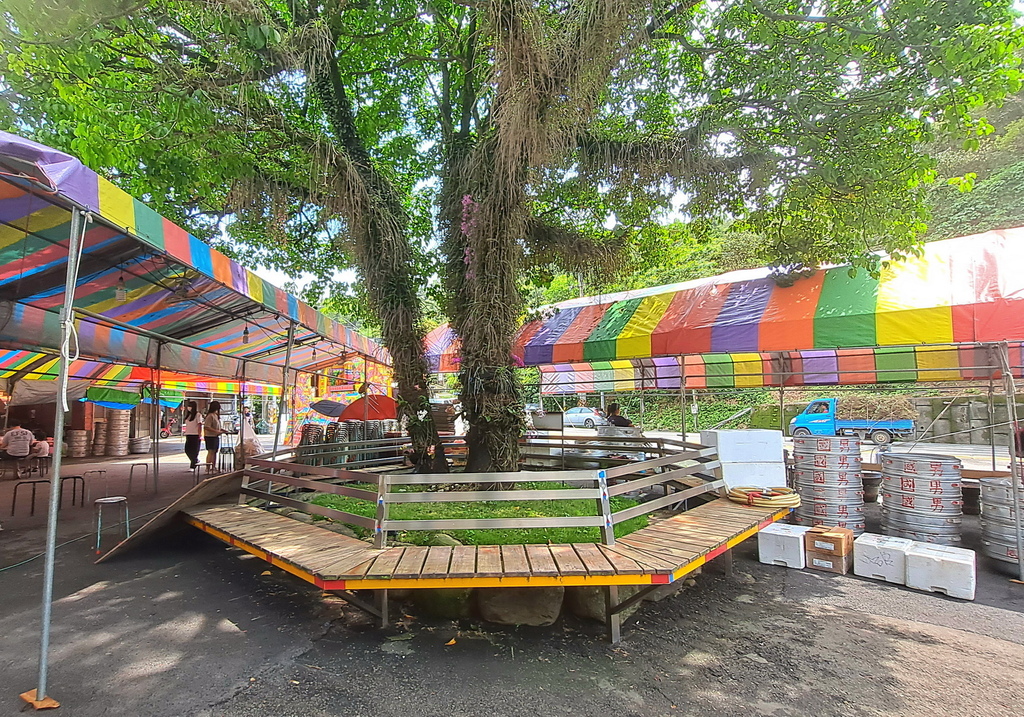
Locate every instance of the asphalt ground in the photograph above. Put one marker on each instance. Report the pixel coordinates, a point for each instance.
(188, 626)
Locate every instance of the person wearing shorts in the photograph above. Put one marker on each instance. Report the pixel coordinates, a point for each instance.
(212, 431)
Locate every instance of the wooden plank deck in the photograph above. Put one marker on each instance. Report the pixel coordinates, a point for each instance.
(660, 553)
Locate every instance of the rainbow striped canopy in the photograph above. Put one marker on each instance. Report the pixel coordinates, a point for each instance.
(744, 329)
(223, 320)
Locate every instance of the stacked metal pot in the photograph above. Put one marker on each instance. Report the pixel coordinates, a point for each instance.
(827, 476)
(998, 528)
(922, 497)
(118, 424)
(99, 438)
(78, 443)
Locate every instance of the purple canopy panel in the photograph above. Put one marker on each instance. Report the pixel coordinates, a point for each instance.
(821, 367)
(736, 326)
(66, 174)
(540, 349)
(667, 372)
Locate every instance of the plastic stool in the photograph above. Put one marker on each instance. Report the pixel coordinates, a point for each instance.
(112, 500)
(33, 483)
(76, 482)
(145, 476)
(226, 460)
(99, 474)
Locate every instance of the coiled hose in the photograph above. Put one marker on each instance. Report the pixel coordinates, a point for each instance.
(764, 497)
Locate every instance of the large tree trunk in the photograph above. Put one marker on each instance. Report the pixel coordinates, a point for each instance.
(378, 225)
(484, 219)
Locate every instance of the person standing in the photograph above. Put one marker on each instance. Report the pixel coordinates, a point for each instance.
(192, 429)
(615, 418)
(16, 443)
(212, 430)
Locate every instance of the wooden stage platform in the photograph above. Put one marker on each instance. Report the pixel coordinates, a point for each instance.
(663, 552)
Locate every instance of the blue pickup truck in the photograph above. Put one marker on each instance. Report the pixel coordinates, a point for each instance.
(819, 419)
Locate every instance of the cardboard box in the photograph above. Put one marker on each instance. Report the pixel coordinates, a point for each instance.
(829, 563)
(782, 544)
(830, 540)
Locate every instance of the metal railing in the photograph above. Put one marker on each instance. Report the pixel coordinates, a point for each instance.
(682, 470)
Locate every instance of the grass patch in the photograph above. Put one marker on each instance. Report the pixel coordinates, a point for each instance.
(493, 509)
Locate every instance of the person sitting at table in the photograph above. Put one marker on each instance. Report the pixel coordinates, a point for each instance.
(16, 443)
(617, 419)
(40, 447)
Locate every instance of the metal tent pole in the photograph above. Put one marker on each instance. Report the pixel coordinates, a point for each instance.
(38, 697)
(241, 423)
(284, 391)
(1011, 414)
(991, 424)
(159, 423)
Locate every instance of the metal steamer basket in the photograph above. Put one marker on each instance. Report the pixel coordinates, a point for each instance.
(828, 479)
(922, 497)
(998, 529)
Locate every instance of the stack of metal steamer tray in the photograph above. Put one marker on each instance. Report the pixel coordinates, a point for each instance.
(998, 520)
(118, 425)
(827, 476)
(356, 432)
(78, 443)
(311, 434)
(922, 497)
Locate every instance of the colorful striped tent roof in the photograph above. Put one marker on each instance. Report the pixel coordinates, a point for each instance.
(216, 313)
(967, 362)
(961, 291)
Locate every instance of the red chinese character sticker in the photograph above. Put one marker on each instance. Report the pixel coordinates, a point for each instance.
(907, 501)
(907, 484)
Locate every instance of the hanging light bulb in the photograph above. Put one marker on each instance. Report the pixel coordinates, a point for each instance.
(314, 353)
(121, 290)
(245, 335)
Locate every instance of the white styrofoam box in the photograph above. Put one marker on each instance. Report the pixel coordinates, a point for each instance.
(782, 544)
(745, 446)
(942, 569)
(882, 557)
(760, 475)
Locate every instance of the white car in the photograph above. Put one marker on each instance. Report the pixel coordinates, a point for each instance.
(584, 416)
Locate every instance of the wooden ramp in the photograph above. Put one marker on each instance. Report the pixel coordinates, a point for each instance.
(659, 554)
(209, 490)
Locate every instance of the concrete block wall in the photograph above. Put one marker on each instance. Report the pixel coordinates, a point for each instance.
(967, 413)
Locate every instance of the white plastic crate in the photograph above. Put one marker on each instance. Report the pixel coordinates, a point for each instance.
(942, 569)
(782, 544)
(745, 446)
(881, 557)
(761, 475)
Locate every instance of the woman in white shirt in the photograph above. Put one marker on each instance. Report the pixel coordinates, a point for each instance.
(212, 430)
(192, 428)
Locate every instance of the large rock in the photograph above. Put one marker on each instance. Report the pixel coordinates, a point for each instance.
(340, 529)
(444, 603)
(520, 606)
(443, 539)
(588, 602)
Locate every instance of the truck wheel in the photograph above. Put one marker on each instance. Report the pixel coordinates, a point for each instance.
(801, 432)
(881, 438)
